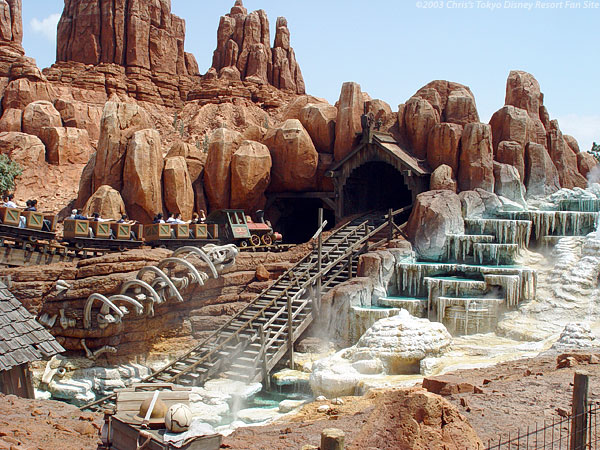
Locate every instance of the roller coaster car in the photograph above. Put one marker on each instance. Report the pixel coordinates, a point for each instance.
(236, 227)
(33, 229)
(170, 235)
(110, 235)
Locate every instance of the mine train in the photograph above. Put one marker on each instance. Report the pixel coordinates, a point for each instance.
(229, 226)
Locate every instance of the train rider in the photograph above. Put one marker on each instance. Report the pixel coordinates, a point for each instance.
(175, 218)
(125, 221)
(158, 218)
(9, 201)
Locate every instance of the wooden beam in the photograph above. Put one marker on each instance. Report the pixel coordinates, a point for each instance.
(579, 414)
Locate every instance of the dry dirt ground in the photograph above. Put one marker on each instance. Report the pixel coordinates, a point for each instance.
(499, 399)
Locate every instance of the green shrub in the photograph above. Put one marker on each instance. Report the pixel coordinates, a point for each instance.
(596, 151)
(9, 170)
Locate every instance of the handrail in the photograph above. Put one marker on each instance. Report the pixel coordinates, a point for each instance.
(215, 336)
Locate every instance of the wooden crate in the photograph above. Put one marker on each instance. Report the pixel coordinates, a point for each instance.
(122, 231)
(182, 231)
(76, 228)
(125, 431)
(157, 231)
(10, 216)
(126, 436)
(101, 229)
(200, 230)
(213, 230)
(53, 220)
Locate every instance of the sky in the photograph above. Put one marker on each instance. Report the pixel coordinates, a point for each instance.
(393, 47)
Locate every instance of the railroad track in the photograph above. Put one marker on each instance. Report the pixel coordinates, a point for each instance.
(256, 339)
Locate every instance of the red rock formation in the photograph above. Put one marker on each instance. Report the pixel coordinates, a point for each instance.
(564, 159)
(250, 176)
(453, 101)
(38, 115)
(348, 126)
(443, 145)
(66, 145)
(178, 192)
(107, 202)
(442, 178)
(542, 176)
(244, 51)
(319, 120)
(217, 176)
(420, 116)
(513, 153)
(585, 163)
(476, 168)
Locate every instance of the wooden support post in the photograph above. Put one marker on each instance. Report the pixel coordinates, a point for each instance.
(391, 225)
(290, 331)
(319, 263)
(332, 439)
(579, 416)
(263, 358)
(350, 258)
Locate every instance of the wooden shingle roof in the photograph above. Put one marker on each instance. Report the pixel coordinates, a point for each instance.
(22, 338)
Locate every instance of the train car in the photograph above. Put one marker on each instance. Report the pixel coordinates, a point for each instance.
(172, 236)
(105, 235)
(27, 226)
(238, 228)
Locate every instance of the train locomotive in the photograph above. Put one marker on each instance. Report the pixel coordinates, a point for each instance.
(230, 226)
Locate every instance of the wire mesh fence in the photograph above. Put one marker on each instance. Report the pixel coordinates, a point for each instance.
(579, 432)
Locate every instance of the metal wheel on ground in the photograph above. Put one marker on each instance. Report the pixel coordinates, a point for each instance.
(255, 240)
(266, 239)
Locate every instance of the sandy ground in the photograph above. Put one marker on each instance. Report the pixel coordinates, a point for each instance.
(500, 399)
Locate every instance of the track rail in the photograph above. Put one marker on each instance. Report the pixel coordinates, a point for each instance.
(257, 338)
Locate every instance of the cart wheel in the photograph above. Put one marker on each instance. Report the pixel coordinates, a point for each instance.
(122, 248)
(255, 240)
(32, 239)
(78, 245)
(244, 244)
(267, 240)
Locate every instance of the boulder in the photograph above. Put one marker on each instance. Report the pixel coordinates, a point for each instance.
(348, 123)
(442, 178)
(178, 192)
(585, 163)
(250, 176)
(195, 158)
(107, 202)
(381, 112)
(435, 215)
(223, 143)
(443, 145)
(119, 122)
(85, 182)
(508, 183)
(295, 159)
(419, 118)
(78, 114)
(286, 71)
(11, 25)
(513, 153)
(510, 123)
(66, 145)
(564, 159)
(542, 177)
(20, 93)
(11, 120)
(476, 158)
(460, 107)
(38, 115)
(490, 200)
(142, 173)
(523, 91)
(472, 206)
(572, 143)
(27, 150)
(319, 120)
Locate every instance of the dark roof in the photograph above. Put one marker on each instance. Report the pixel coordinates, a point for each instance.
(388, 144)
(22, 338)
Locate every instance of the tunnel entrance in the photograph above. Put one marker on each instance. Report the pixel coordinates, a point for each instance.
(297, 219)
(375, 186)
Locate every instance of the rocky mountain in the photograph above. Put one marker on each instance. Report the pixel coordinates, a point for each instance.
(124, 119)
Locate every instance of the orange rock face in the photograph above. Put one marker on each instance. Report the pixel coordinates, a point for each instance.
(443, 145)
(217, 175)
(295, 159)
(513, 153)
(542, 177)
(442, 178)
(177, 187)
(419, 119)
(319, 120)
(27, 150)
(119, 122)
(250, 176)
(476, 158)
(66, 145)
(348, 125)
(564, 159)
(142, 174)
(244, 51)
(585, 163)
(38, 115)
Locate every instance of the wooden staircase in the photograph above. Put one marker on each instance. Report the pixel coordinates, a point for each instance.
(256, 339)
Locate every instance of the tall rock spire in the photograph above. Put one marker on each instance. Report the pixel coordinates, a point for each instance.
(244, 50)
